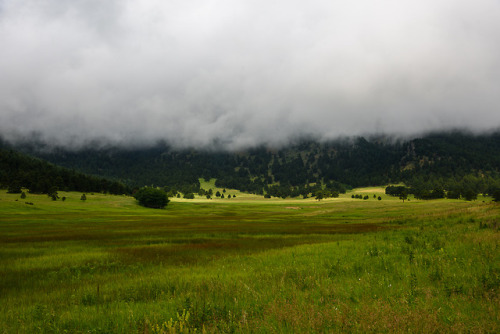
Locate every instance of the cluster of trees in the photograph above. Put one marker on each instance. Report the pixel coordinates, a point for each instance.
(223, 194)
(287, 190)
(365, 197)
(322, 194)
(468, 188)
(396, 190)
(201, 192)
(320, 191)
(242, 183)
(18, 171)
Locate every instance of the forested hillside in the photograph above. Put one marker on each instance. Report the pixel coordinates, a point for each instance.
(448, 161)
(18, 171)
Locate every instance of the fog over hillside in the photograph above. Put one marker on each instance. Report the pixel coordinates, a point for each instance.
(237, 74)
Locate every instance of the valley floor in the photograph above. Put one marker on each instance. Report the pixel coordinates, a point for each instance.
(245, 264)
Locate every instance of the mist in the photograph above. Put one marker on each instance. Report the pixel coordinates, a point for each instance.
(236, 74)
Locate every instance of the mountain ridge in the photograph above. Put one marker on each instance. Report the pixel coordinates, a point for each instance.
(434, 159)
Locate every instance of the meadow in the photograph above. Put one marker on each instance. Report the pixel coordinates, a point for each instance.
(245, 264)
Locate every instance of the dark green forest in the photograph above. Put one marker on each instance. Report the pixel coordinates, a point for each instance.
(18, 171)
(453, 164)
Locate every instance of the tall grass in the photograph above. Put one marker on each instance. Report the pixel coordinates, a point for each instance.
(107, 265)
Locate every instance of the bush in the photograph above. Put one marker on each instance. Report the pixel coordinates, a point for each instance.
(14, 188)
(52, 193)
(453, 194)
(151, 198)
(470, 195)
(496, 194)
(188, 196)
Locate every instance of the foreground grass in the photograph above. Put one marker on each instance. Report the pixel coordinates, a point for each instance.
(107, 265)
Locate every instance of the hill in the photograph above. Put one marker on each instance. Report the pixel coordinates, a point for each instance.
(449, 161)
(19, 171)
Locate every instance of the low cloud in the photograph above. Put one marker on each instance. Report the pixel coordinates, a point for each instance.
(243, 73)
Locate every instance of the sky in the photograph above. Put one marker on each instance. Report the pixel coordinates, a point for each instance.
(236, 74)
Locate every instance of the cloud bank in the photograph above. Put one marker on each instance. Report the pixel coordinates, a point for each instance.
(243, 73)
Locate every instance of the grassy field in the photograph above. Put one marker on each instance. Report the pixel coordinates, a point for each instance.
(245, 264)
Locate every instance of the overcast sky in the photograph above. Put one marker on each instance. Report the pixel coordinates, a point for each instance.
(241, 73)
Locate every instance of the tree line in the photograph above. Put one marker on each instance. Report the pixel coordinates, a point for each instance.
(467, 188)
(458, 162)
(18, 171)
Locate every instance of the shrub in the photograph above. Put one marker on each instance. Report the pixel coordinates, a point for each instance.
(470, 195)
(52, 193)
(14, 188)
(453, 194)
(496, 194)
(151, 198)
